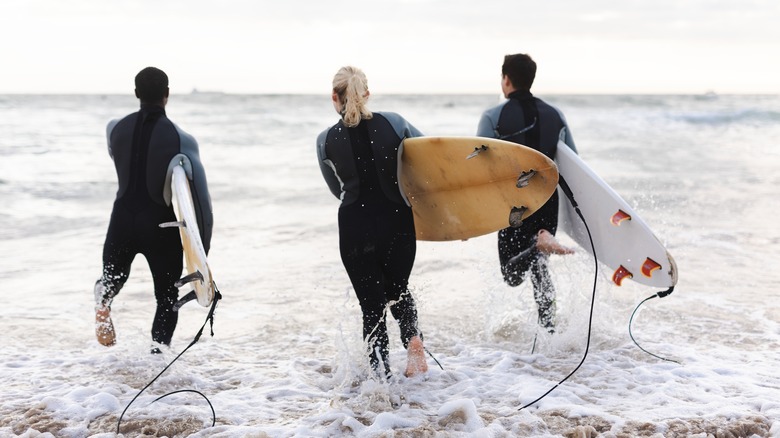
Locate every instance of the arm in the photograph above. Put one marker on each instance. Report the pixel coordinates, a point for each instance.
(111, 125)
(488, 122)
(565, 134)
(199, 187)
(327, 167)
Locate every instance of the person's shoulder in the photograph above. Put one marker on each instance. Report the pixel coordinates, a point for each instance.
(323, 135)
(113, 123)
(126, 118)
(395, 120)
(496, 109)
(489, 119)
(540, 103)
(187, 141)
(392, 117)
(330, 128)
(544, 103)
(181, 132)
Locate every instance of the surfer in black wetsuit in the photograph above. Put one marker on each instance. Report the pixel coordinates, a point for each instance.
(530, 121)
(145, 146)
(358, 157)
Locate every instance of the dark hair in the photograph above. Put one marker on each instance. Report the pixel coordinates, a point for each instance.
(520, 69)
(151, 85)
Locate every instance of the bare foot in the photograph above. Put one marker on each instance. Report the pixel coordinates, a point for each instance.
(547, 244)
(416, 363)
(104, 328)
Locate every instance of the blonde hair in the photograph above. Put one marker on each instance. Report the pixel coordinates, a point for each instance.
(351, 87)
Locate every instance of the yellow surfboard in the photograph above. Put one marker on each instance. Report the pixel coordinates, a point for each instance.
(463, 187)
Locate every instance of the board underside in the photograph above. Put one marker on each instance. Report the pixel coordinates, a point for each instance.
(463, 187)
(623, 241)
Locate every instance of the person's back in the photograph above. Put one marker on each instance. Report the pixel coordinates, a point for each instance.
(527, 120)
(371, 169)
(144, 146)
(532, 122)
(358, 157)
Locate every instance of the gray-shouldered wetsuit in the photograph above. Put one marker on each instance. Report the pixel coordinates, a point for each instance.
(377, 239)
(144, 147)
(530, 121)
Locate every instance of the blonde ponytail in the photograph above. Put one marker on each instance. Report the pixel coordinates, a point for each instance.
(351, 86)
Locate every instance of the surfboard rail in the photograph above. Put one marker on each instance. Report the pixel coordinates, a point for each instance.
(196, 262)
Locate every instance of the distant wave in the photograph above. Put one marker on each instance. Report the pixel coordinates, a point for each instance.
(729, 117)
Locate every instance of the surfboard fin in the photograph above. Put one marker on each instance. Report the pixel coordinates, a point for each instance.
(177, 224)
(516, 216)
(620, 274)
(189, 278)
(477, 151)
(619, 217)
(650, 266)
(184, 300)
(525, 178)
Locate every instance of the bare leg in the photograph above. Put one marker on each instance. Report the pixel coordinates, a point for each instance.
(546, 244)
(544, 294)
(416, 363)
(104, 327)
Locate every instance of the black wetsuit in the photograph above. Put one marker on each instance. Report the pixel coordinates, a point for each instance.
(142, 146)
(532, 122)
(376, 229)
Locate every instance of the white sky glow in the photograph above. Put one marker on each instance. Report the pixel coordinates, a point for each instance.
(404, 46)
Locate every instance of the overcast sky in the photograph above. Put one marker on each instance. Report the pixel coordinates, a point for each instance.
(404, 46)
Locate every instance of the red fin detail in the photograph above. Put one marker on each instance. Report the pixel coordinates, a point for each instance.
(619, 217)
(649, 266)
(620, 274)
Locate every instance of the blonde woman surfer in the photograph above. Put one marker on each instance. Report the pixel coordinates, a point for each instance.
(359, 159)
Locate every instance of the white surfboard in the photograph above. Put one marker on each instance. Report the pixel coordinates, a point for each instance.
(623, 241)
(197, 265)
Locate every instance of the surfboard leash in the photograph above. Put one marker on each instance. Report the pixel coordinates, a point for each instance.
(570, 195)
(209, 319)
(434, 358)
(656, 295)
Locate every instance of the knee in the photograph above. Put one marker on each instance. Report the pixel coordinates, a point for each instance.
(166, 301)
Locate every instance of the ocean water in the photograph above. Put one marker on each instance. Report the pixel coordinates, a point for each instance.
(285, 359)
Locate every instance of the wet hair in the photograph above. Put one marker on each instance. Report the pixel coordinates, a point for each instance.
(151, 85)
(351, 87)
(520, 69)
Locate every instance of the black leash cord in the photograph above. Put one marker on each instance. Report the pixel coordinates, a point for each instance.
(659, 295)
(209, 318)
(213, 413)
(434, 358)
(570, 196)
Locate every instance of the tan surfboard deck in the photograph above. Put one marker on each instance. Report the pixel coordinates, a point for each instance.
(463, 187)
